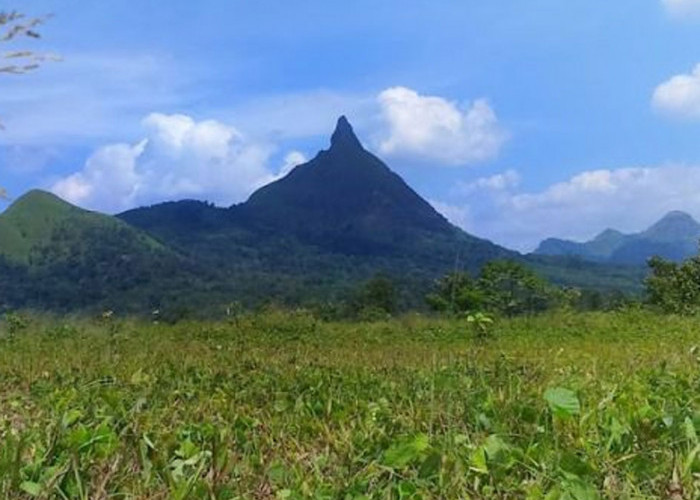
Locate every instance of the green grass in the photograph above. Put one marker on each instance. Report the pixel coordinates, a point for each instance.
(281, 406)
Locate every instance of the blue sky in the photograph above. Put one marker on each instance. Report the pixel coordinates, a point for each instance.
(518, 120)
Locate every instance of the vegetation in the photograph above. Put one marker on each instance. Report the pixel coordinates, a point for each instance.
(674, 288)
(281, 405)
(502, 287)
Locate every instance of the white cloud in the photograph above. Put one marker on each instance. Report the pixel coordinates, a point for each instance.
(628, 199)
(178, 158)
(110, 177)
(291, 160)
(682, 7)
(439, 130)
(498, 182)
(679, 96)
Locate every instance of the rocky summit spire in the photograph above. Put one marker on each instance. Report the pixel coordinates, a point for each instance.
(344, 136)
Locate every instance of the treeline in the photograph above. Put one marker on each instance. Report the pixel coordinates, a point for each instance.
(502, 288)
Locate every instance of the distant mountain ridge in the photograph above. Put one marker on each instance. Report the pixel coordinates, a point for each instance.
(312, 236)
(675, 237)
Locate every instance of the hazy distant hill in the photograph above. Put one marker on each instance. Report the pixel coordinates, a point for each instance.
(674, 237)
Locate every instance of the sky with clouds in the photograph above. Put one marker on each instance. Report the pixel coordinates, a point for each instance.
(517, 120)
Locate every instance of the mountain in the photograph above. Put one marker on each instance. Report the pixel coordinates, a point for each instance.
(329, 224)
(62, 256)
(347, 200)
(674, 237)
(312, 237)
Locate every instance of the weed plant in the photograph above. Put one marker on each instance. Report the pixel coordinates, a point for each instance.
(280, 405)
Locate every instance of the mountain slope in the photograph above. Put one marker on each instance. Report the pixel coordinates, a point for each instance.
(40, 221)
(347, 200)
(313, 236)
(72, 258)
(674, 237)
(326, 226)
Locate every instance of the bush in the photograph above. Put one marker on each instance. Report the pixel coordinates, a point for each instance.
(503, 287)
(674, 288)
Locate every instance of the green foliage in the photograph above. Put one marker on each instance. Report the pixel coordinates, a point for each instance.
(15, 323)
(456, 292)
(378, 296)
(511, 288)
(280, 405)
(503, 287)
(481, 324)
(673, 287)
(563, 402)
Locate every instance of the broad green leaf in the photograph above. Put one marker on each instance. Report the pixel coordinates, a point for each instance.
(563, 402)
(71, 417)
(406, 451)
(577, 489)
(495, 447)
(478, 461)
(30, 487)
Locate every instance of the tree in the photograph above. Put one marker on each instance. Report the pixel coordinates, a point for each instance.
(674, 288)
(503, 287)
(379, 294)
(456, 292)
(511, 288)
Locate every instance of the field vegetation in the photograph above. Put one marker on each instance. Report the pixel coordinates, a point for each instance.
(563, 405)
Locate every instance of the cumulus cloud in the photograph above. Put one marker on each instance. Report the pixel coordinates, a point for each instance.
(498, 182)
(628, 199)
(682, 7)
(437, 129)
(291, 160)
(178, 158)
(110, 176)
(679, 96)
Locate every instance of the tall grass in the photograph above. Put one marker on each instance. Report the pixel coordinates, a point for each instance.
(280, 405)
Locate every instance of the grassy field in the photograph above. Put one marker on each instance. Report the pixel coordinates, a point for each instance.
(279, 405)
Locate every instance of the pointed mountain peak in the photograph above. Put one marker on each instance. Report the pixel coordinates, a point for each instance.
(344, 135)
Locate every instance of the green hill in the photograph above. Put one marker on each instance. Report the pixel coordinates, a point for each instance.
(55, 255)
(40, 223)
